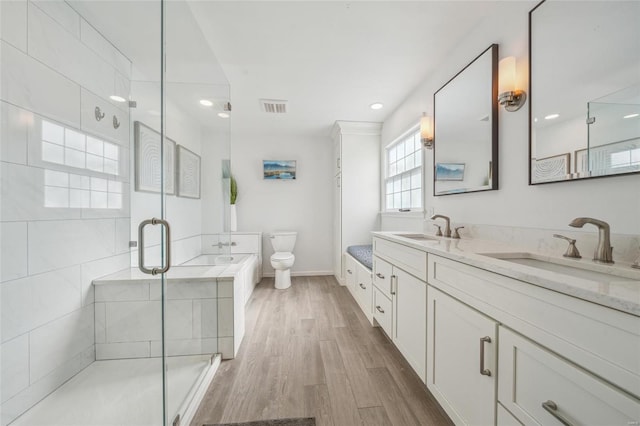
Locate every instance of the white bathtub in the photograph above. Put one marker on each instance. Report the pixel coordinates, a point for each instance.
(217, 259)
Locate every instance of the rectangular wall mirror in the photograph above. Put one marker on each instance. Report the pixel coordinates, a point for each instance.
(584, 90)
(466, 128)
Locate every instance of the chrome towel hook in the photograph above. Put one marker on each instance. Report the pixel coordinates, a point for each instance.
(99, 114)
(116, 123)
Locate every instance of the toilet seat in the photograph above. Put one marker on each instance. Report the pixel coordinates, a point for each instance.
(280, 256)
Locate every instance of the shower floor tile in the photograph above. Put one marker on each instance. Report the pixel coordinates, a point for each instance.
(117, 392)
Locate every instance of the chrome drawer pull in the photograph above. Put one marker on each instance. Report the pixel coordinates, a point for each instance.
(484, 371)
(394, 284)
(380, 309)
(349, 271)
(379, 275)
(362, 286)
(552, 408)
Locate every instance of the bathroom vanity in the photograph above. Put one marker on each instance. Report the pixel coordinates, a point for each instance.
(501, 336)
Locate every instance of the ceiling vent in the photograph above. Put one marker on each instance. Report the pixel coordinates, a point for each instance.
(274, 106)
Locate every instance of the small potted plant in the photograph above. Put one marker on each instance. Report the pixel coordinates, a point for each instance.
(233, 218)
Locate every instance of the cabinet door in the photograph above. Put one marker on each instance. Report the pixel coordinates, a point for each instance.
(461, 354)
(410, 319)
(337, 229)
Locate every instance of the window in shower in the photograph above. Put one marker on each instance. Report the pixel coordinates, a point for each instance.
(62, 145)
(97, 158)
(68, 190)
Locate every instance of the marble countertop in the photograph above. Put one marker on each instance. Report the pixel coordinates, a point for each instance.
(176, 273)
(620, 289)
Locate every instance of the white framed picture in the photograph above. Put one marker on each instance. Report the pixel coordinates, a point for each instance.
(148, 156)
(188, 173)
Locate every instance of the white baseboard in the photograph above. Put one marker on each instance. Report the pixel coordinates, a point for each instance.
(301, 274)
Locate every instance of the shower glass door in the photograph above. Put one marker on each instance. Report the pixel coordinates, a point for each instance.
(196, 116)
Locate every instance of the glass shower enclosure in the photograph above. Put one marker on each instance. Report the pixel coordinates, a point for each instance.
(111, 174)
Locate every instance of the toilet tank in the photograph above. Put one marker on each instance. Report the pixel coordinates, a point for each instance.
(283, 241)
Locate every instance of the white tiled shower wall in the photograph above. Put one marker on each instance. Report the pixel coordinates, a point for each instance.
(55, 66)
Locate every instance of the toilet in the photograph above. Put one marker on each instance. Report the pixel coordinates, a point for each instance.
(283, 258)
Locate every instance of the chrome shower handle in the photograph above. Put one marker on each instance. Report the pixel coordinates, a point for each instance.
(167, 236)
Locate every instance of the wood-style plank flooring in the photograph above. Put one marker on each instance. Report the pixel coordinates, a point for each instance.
(309, 351)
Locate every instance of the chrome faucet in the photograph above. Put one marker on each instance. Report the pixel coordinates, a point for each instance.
(604, 251)
(447, 227)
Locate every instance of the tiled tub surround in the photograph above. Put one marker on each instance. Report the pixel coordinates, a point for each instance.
(204, 312)
(55, 68)
(623, 296)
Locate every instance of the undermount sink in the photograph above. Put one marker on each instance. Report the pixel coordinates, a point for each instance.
(579, 269)
(417, 237)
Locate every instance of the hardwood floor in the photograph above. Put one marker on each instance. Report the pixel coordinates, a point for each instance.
(309, 351)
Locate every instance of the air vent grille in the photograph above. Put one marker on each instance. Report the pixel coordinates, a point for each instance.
(274, 106)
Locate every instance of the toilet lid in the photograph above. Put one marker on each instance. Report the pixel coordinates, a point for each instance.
(281, 256)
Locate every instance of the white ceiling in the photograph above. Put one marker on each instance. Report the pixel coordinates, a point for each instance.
(329, 59)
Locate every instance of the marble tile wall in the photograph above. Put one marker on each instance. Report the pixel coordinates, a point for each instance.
(626, 248)
(56, 67)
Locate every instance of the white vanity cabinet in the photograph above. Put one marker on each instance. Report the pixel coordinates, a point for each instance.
(461, 359)
(400, 299)
(578, 364)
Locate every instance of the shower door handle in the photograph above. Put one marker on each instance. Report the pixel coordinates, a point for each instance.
(167, 236)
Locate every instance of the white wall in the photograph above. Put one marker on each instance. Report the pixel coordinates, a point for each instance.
(55, 67)
(614, 199)
(303, 205)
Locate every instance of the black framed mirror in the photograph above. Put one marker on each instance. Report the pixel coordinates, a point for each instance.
(466, 128)
(584, 90)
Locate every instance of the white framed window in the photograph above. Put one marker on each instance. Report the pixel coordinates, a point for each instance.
(403, 183)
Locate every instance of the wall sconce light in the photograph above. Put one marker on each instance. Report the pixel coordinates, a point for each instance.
(426, 131)
(509, 97)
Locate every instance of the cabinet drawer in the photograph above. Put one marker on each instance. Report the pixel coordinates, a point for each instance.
(382, 271)
(531, 377)
(364, 288)
(382, 311)
(411, 260)
(350, 273)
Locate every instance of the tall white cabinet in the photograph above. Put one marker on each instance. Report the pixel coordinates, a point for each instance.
(356, 187)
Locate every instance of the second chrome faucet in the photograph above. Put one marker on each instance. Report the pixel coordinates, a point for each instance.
(604, 251)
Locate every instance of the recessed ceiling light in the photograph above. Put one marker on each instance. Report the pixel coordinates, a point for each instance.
(206, 102)
(117, 98)
(551, 116)
(376, 105)
(223, 115)
(631, 115)
(535, 120)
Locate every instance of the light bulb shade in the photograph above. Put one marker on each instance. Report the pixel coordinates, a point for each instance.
(426, 130)
(507, 75)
